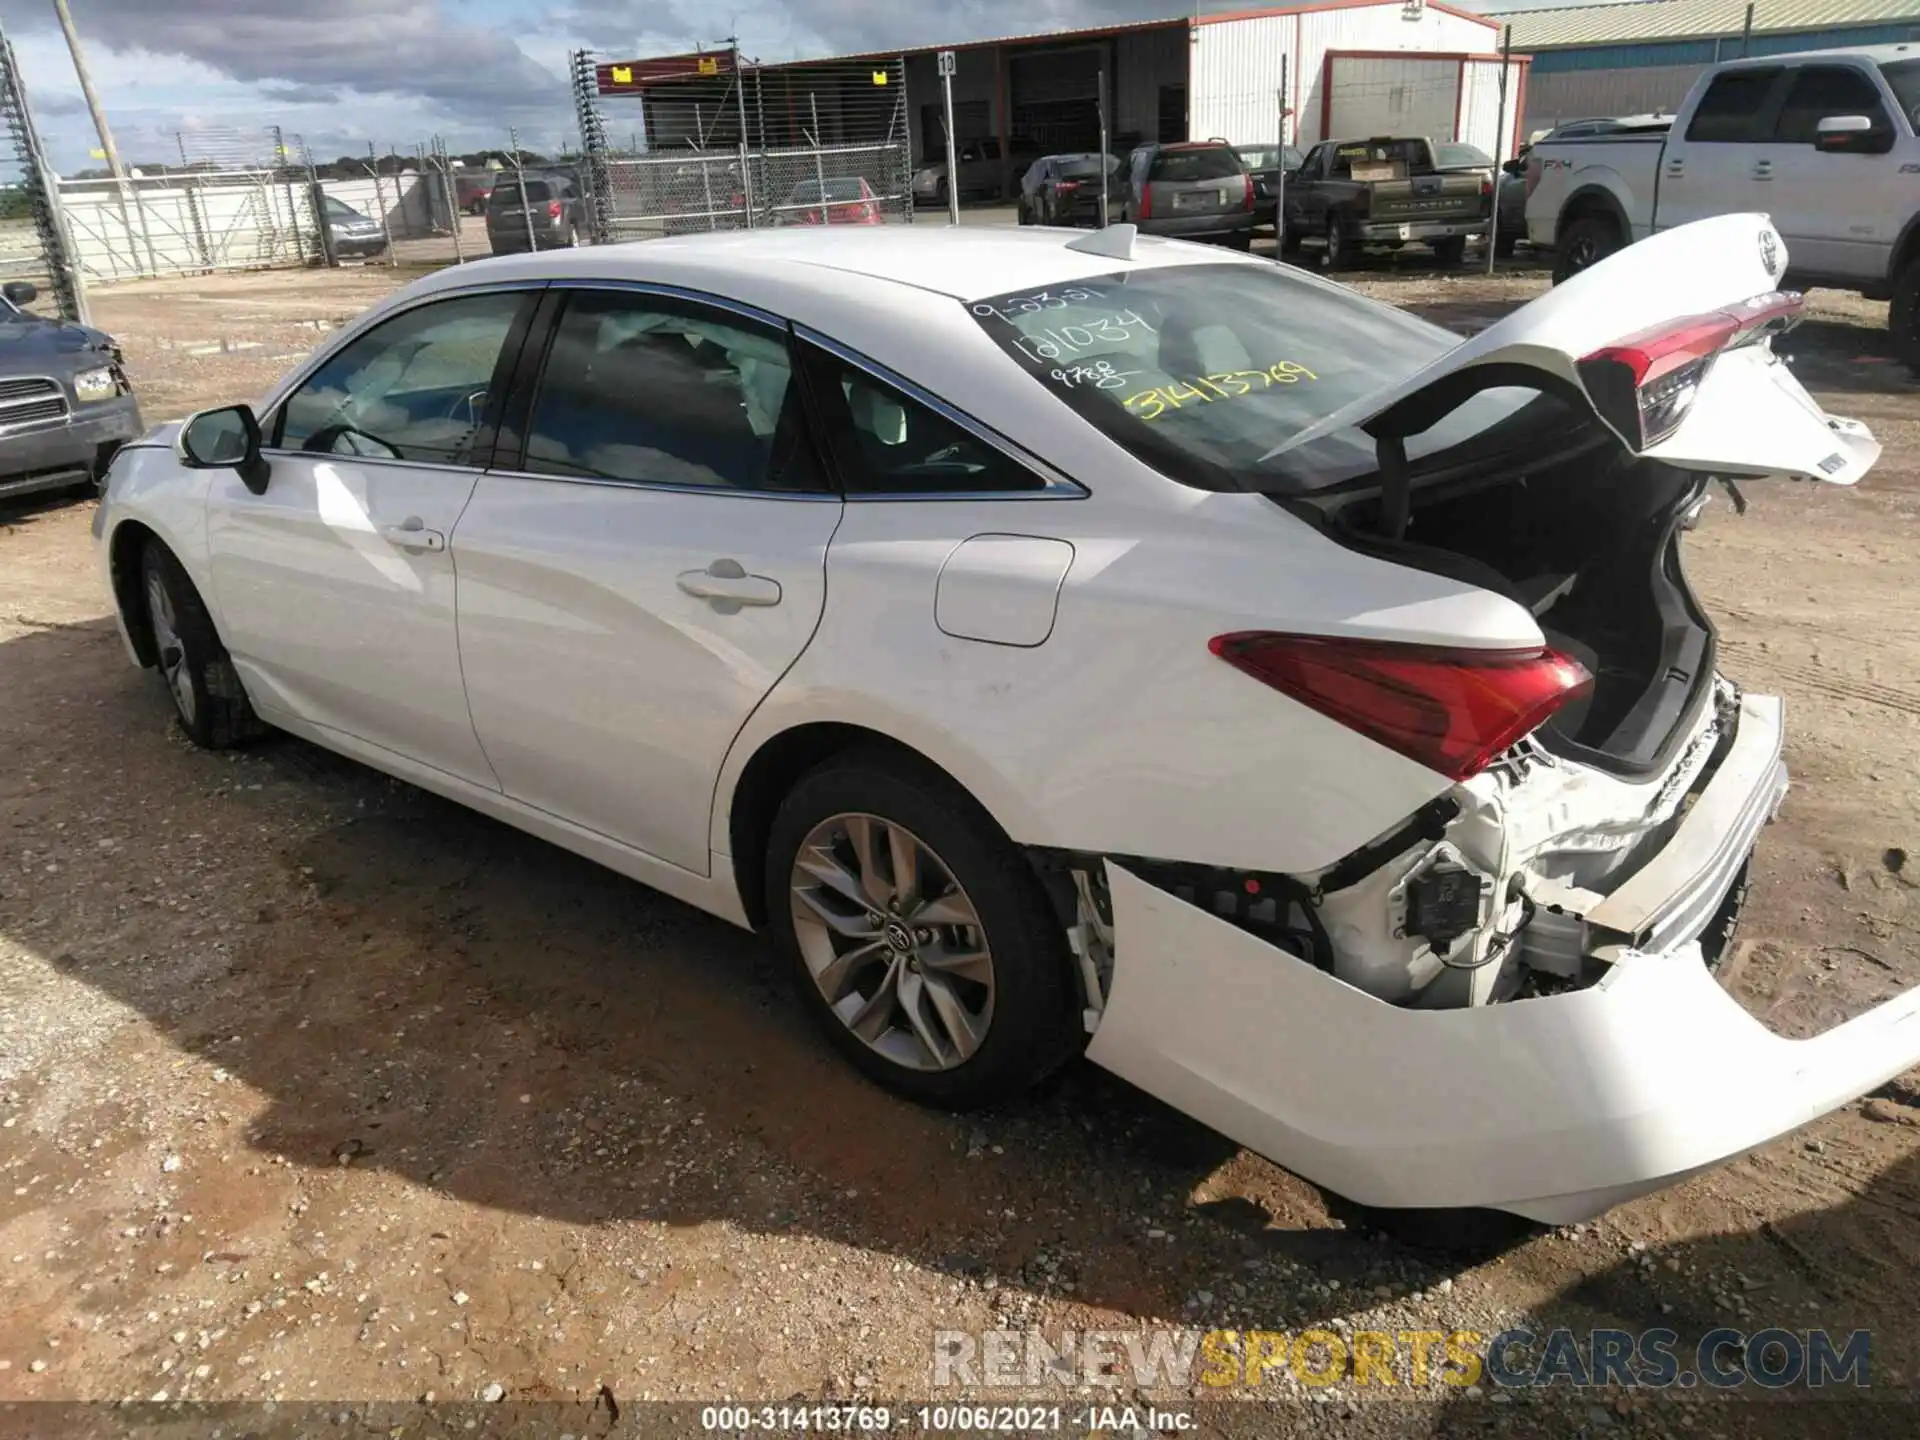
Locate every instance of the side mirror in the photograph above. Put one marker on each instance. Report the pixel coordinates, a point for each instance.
(226, 439)
(21, 292)
(1851, 135)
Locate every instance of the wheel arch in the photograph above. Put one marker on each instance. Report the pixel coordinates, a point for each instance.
(1594, 200)
(752, 789)
(1906, 249)
(125, 547)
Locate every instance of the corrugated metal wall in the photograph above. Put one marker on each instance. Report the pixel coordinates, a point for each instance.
(1372, 27)
(1396, 95)
(1236, 77)
(1480, 109)
(1581, 94)
(1143, 62)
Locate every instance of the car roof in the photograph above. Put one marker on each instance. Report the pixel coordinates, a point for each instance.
(1878, 54)
(964, 262)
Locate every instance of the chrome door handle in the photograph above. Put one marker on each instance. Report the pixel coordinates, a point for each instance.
(412, 534)
(1763, 169)
(727, 586)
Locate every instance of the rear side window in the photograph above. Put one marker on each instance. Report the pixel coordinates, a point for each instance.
(887, 442)
(1730, 110)
(1822, 90)
(656, 392)
(1208, 373)
(1207, 162)
(538, 192)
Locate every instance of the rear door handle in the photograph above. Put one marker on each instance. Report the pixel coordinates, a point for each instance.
(412, 534)
(727, 586)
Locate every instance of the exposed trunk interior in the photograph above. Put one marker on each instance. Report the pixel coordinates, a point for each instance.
(1591, 545)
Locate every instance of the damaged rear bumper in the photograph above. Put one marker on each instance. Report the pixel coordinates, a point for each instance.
(1555, 1108)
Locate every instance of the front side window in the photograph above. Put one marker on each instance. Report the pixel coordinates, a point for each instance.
(1819, 91)
(1211, 373)
(415, 387)
(653, 391)
(1730, 110)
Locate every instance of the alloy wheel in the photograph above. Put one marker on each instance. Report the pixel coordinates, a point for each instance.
(166, 640)
(893, 942)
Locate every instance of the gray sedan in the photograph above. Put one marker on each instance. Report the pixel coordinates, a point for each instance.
(66, 404)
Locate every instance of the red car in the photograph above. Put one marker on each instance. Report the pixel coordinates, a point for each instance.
(846, 201)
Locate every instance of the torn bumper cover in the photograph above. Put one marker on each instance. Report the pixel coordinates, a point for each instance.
(1555, 1108)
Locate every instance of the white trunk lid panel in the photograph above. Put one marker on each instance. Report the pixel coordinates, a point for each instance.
(1750, 417)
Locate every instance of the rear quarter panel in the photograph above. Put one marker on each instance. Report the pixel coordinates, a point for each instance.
(1626, 172)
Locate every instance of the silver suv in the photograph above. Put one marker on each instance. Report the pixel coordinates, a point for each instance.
(1194, 190)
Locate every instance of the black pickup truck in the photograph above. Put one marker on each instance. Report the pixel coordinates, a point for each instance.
(1350, 194)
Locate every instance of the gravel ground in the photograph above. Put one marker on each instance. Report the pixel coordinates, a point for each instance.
(315, 1087)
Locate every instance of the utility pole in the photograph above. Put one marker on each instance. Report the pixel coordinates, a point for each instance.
(86, 88)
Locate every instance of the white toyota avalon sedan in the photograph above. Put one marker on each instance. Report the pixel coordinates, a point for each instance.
(1065, 642)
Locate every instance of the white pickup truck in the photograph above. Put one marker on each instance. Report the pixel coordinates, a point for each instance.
(1824, 142)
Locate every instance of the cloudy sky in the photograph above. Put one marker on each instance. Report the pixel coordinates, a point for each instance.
(342, 73)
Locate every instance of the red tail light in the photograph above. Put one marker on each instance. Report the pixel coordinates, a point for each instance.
(1249, 199)
(1146, 200)
(1063, 186)
(1486, 187)
(553, 209)
(1643, 385)
(1452, 710)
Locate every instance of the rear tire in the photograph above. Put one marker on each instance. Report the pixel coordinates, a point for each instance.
(1450, 251)
(1903, 317)
(1000, 1022)
(1240, 242)
(1290, 241)
(1504, 246)
(194, 665)
(1584, 244)
(1339, 251)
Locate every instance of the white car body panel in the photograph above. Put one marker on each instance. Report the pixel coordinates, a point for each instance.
(1049, 651)
(601, 690)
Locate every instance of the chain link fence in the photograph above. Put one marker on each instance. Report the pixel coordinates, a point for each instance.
(729, 144)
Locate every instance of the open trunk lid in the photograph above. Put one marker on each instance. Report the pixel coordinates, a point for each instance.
(1669, 342)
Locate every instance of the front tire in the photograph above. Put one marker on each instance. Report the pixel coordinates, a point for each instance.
(1582, 245)
(1903, 317)
(194, 665)
(919, 936)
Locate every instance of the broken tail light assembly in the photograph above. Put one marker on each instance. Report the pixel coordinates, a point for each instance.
(1644, 385)
(1451, 709)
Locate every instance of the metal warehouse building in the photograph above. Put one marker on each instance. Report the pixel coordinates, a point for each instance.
(1640, 57)
(1351, 67)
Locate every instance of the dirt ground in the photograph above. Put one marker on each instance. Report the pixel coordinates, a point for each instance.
(315, 1087)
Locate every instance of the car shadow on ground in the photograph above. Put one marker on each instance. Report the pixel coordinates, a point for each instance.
(418, 989)
(1826, 1269)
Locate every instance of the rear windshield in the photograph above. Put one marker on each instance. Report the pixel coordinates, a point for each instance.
(507, 192)
(1204, 371)
(1206, 162)
(1079, 167)
(1903, 77)
(1260, 157)
(808, 192)
(1372, 158)
(1460, 157)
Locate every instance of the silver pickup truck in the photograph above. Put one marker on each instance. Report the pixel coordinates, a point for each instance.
(1825, 143)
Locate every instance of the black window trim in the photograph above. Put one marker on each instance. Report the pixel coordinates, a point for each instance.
(1054, 485)
(532, 364)
(479, 449)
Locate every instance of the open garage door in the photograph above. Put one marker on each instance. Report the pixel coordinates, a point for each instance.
(1392, 95)
(1056, 100)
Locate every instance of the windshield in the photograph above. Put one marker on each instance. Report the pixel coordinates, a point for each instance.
(1205, 371)
(1260, 157)
(1202, 162)
(1903, 78)
(339, 210)
(1455, 157)
(1380, 159)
